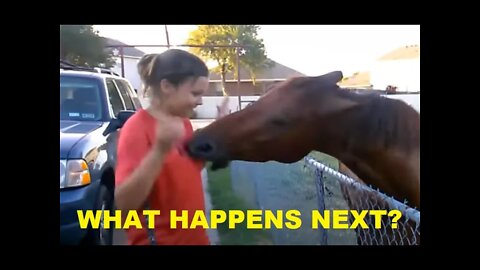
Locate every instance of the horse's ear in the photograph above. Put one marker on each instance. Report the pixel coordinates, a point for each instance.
(333, 77)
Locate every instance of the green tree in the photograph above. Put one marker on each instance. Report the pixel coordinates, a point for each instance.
(81, 45)
(252, 57)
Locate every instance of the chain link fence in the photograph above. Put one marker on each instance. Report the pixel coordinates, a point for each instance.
(309, 185)
(394, 230)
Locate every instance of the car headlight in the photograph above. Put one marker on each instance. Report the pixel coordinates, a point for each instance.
(74, 173)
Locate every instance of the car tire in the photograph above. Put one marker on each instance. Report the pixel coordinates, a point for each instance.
(101, 236)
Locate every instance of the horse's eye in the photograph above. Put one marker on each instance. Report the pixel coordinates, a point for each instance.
(279, 122)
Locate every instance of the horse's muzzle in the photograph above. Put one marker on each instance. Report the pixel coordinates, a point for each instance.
(201, 147)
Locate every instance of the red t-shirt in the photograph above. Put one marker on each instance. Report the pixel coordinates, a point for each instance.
(177, 187)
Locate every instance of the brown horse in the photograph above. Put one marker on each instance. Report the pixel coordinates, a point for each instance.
(378, 138)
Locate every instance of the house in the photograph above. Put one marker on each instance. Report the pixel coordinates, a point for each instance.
(131, 56)
(264, 79)
(399, 69)
(359, 80)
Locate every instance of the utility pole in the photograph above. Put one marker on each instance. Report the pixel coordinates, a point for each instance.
(168, 39)
(238, 79)
(122, 58)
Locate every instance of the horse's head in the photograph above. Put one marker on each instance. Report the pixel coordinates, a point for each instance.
(283, 125)
(377, 137)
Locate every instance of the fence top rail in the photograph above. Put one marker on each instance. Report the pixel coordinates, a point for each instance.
(410, 213)
(180, 45)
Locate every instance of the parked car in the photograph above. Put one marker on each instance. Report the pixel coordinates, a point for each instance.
(94, 104)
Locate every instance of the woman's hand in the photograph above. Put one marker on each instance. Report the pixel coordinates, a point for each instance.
(223, 110)
(169, 130)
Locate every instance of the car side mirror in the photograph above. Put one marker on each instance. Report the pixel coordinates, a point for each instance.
(118, 122)
(123, 116)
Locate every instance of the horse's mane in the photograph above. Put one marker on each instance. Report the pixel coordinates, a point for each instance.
(378, 120)
(381, 120)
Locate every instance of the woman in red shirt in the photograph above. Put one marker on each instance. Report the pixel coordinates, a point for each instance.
(152, 173)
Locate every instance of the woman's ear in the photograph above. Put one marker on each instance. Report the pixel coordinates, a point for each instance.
(166, 87)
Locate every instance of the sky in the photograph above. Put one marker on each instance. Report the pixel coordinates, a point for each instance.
(310, 49)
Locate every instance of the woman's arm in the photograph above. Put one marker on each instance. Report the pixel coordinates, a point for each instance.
(133, 191)
(138, 163)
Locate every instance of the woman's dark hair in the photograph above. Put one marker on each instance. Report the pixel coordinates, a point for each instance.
(176, 66)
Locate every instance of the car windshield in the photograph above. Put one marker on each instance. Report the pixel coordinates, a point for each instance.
(79, 99)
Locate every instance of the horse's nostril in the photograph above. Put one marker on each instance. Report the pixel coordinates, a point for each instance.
(206, 147)
(203, 148)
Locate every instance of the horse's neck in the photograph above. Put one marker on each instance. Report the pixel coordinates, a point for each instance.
(393, 172)
(382, 152)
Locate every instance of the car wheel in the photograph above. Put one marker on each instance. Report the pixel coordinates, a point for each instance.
(102, 236)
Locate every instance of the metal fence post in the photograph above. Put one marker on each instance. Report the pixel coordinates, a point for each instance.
(321, 202)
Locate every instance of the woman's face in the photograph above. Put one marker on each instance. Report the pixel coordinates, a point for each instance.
(181, 100)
